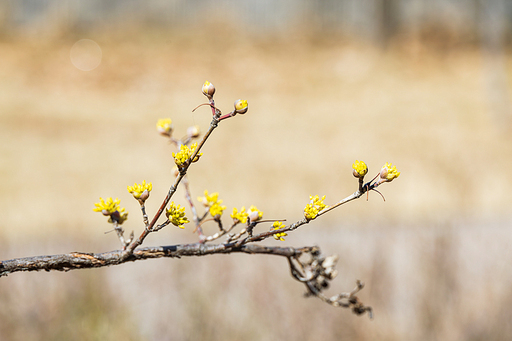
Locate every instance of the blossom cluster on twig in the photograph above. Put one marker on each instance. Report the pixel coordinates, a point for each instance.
(315, 272)
(240, 232)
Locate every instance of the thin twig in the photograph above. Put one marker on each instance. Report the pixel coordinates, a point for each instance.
(194, 211)
(171, 192)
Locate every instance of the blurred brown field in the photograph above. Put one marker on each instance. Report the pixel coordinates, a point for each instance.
(434, 256)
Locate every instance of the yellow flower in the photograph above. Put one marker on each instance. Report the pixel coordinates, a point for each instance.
(209, 199)
(388, 173)
(217, 209)
(111, 208)
(241, 106)
(107, 207)
(212, 201)
(360, 169)
(310, 212)
(239, 217)
(141, 191)
(315, 206)
(319, 203)
(276, 226)
(254, 214)
(176, 215)
(208, 89)
(164, 126)
(184, 154)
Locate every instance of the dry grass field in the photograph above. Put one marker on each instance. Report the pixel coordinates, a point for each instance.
(435, 256)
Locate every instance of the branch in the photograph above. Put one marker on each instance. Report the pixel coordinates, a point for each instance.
(84, 260)
(307, 266)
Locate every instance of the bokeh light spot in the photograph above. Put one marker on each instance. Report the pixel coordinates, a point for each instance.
(85, 55)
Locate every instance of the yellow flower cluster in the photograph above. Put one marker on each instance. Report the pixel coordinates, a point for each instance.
(111, 208)
(239, 216)
(176, 215)
(212, 201)
(315, 205)
(107, 207)
(217, 209)
(389, 172)
(208, 199)
(141, 191)
(164, 126)
(360, 169)
(276, 226)
(185, 153)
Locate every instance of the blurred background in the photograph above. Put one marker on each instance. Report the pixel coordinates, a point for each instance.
(424, 84)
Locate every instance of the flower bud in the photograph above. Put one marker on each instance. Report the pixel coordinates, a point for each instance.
(383, 173)
(241, 106)
(254, 214)
(141, 192)
(175, 171)
(332, 273)
(208, 89)
(330, 261)
(164, 126)
(388, 173)
(193, 131)
(144, 196)
(360, 169)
